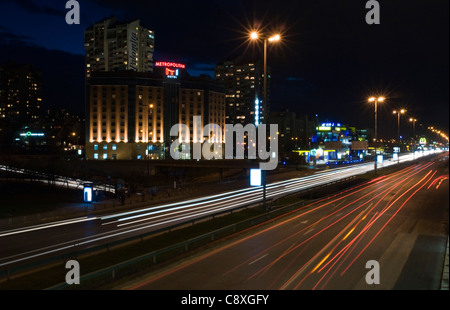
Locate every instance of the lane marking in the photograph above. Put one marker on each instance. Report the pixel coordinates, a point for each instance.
(258, 259)
(45, 226)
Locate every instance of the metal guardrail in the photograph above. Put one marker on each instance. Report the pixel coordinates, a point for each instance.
(56, 180)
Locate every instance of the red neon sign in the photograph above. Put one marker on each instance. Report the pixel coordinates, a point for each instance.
(170, 72)
(170, 64)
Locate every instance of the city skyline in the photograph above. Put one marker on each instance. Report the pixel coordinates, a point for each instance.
(325, 65)
(224, 146)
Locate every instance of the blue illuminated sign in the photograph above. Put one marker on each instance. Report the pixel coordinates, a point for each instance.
(256, 112)
(87, 193)
(331, 124)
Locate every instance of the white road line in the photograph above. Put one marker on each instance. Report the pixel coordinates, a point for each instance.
(258, 259)
(45, 226)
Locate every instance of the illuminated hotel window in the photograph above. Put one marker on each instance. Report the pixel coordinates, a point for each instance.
(105, 156)
(105, 147)
(95, 147)
(95, 155)
(114, 147)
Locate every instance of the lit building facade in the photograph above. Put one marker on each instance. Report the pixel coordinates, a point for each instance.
(244, 87)
(20, 92)
(337, 141)
(20, 98)
(111, 45)
(129, 115)
(295, 131)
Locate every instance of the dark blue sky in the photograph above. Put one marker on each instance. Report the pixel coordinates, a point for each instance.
(328, 63)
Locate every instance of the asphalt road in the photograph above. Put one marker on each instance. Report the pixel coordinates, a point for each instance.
(36, 243)
(388, 234)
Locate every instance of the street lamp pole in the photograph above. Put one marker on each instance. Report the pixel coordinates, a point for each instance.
(376, 120)
(375, 101)
(413, 120)
(265, 111)
(254, 36)
(398, 122)
(265, 73)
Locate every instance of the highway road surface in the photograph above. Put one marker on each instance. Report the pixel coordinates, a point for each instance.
(390, 233)
(36, 243)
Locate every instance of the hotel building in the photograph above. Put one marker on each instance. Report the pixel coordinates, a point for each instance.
(129, 114)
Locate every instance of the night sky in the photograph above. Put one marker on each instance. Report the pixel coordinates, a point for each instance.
(329, 61)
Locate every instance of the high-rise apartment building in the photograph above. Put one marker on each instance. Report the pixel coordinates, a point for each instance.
(20, 95)
(295, 131)
(244, 87)
(112, 45)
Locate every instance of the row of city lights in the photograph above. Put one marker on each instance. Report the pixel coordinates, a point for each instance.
(398, 112)
(254, 35)
(382, 99)
(439, 132)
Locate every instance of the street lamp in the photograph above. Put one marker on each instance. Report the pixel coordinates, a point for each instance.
(414, 120)
(402, 111)
(275, 38)
(375, 101)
